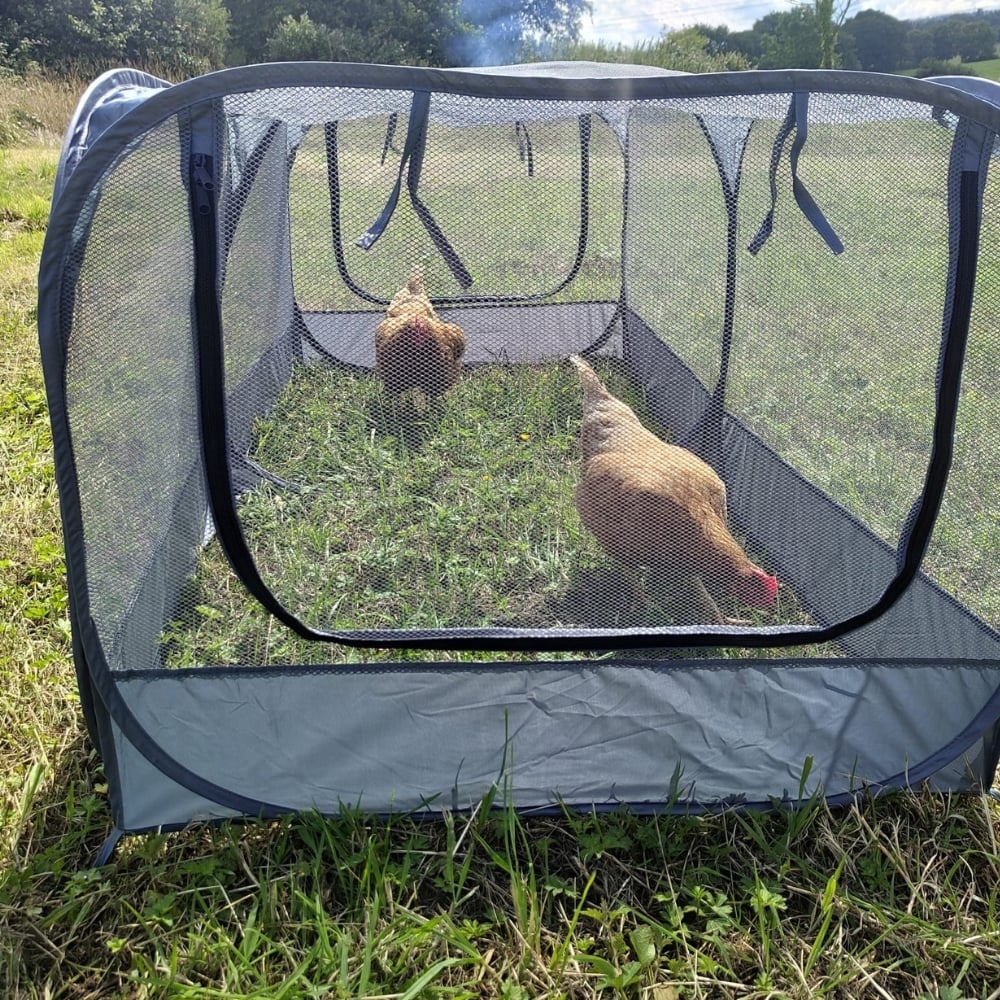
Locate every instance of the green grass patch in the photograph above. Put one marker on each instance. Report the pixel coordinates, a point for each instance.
(988, 69)
(26, 179)
(896, 895)
(462, 516)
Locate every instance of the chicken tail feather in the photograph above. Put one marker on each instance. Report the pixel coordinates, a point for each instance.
(415, 282)
(592, 385)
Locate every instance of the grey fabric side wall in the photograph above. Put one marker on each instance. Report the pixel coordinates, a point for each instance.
(492, 332)
(149, 799)
(809, 529)
(589, 734)
(972, 771)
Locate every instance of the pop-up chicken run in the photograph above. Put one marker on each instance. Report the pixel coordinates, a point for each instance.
(616, 423)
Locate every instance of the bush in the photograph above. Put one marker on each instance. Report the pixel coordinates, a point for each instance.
(944, 67)
(301, 38)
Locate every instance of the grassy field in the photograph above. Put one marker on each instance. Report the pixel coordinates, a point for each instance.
(462, 517)
(895, 898)
(988, 69)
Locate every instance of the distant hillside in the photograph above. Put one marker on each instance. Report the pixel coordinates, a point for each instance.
(993, 16)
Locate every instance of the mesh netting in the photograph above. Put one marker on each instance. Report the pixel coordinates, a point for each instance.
(444, 480)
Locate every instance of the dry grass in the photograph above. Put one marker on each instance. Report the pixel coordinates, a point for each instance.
(36, 109)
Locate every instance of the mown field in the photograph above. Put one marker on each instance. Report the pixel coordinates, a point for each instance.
(989, 69)
(897, 897)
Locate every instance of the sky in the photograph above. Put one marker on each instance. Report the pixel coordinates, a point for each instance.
(629, 21)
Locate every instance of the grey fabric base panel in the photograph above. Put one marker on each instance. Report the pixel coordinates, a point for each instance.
(495, 333)
(593, 734)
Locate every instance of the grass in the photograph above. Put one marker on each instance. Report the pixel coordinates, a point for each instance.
(384, 504)
(35, 109)
(462, 517)
(988, 69)
(893, 898)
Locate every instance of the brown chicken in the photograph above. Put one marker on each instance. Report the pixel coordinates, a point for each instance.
(659, 506)
(415, 351)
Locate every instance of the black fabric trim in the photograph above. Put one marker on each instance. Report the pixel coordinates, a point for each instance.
(803, 198)
(493, 668)
(208, 349)
(416, 164)
(921, 520)
(416, 136)
(705, 438)
(336, 229)
(202, 194)
(83, 675)
(107, 850)
(921, 523)
(776, 150)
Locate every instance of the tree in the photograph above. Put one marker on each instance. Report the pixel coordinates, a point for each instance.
(687, 50)
(188, 36)
(90, 33)
(252, 23)
(690, 51)
(181, 37)
(879, 41)
(747, 43)
(717, 37)
(828, 22)
(977, 39)
(790, 39)
(847, 58)
(301, 38)
(946, 35)
(919, 46)
(416, 32)
(506, 31)
(184, 37)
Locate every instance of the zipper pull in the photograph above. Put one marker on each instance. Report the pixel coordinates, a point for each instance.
(201, 170)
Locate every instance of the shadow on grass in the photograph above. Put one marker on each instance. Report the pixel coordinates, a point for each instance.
(408, 420)
(606, 596)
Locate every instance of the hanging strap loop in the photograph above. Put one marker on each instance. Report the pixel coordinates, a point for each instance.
(411, 163)
(796, 120)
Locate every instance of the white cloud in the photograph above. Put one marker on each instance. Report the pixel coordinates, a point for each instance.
(630, 21)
